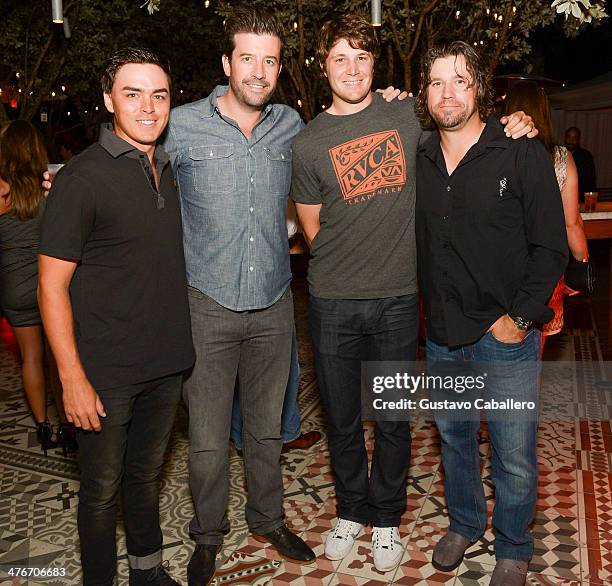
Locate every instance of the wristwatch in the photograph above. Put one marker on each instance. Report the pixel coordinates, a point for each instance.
(522, 323)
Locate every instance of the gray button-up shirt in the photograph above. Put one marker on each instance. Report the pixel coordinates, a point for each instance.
(234, 194)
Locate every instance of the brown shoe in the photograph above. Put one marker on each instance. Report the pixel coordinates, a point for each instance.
(303, 442)
(449, 551)
(509, 573)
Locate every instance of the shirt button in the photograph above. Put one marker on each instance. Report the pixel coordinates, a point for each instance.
(251, 210)
(448, 188)
(251, 269)
(251, 239)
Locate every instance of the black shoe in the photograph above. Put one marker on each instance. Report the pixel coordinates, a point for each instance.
(201, 568)
(157, 576)
(66, 437)
(288, 545)
(44, 433)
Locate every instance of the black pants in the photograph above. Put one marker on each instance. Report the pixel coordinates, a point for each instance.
(125, 457)
(346, 332)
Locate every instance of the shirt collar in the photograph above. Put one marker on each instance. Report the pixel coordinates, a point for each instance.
(492, 136)
(117, 147)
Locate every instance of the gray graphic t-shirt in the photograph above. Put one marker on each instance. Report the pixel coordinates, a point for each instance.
(361, 168)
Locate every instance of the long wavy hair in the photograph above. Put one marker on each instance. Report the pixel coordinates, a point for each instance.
(474, 66)
(531, 98)
(23, 159)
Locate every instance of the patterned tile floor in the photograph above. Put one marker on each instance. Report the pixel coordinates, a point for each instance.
(573, 527)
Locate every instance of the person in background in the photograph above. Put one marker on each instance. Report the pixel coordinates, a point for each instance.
(531, 98)
(23, 158)
(587, 176)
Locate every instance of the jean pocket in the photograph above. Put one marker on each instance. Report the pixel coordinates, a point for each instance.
(512, 344)
(278, 166)
(213, 168)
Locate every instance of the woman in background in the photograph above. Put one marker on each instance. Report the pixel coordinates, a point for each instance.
(529, 97)
(23, 159)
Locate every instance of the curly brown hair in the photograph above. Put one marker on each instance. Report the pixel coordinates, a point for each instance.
(480, 78)
(23, 160)
(356, 29)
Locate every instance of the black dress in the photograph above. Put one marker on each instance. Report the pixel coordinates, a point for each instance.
(19, 241)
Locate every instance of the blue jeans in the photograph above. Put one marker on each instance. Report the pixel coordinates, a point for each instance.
(513, 447)
(290, 419)
(346, 332)
(126, 459)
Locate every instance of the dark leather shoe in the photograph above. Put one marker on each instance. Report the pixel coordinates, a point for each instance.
(201, 568)
(303, 442)
(157, 576)
(288, 545)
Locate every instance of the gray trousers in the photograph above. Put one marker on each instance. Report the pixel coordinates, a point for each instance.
(256, 346)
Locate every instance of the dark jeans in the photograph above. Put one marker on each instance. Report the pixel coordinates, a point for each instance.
(514, 466)
(256, 346)
(125, 457)
(346, 332)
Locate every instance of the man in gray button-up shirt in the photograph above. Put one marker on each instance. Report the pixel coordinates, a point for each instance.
(231, 153)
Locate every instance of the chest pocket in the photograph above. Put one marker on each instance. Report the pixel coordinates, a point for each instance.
(213, 168)
(278, 170)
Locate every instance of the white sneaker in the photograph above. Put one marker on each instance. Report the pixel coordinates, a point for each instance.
(387, 548)
(340, 541)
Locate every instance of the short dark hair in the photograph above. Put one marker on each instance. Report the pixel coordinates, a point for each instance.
(473, 62)
(249, 20)
(128, 55)
(356, 29)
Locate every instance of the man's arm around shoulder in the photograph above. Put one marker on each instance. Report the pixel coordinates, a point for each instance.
(81, 402)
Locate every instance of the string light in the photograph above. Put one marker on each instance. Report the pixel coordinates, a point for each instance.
(68, 113)
(18, 75)
(323, 106)
(96, 108)
(181, 92)
(300, 103)
(295, 26)
(206, 4)
(63, 88)
(457, 14)
(52, 94)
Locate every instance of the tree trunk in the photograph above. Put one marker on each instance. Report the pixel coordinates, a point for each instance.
(407, 75)
(390, 65)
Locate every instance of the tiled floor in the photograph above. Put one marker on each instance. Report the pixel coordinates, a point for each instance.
(573, 527)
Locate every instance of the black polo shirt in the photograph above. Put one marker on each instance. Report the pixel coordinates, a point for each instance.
(490, 238)
(129, 290)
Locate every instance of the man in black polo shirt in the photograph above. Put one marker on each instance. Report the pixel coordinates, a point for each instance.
(113, 298)
(491, 246)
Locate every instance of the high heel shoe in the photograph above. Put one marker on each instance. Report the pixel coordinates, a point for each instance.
(66, 437)
(44, 433)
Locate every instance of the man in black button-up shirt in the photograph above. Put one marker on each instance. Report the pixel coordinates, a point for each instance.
(491, 246)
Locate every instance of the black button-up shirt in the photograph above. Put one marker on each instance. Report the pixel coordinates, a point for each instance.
(491, 237)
